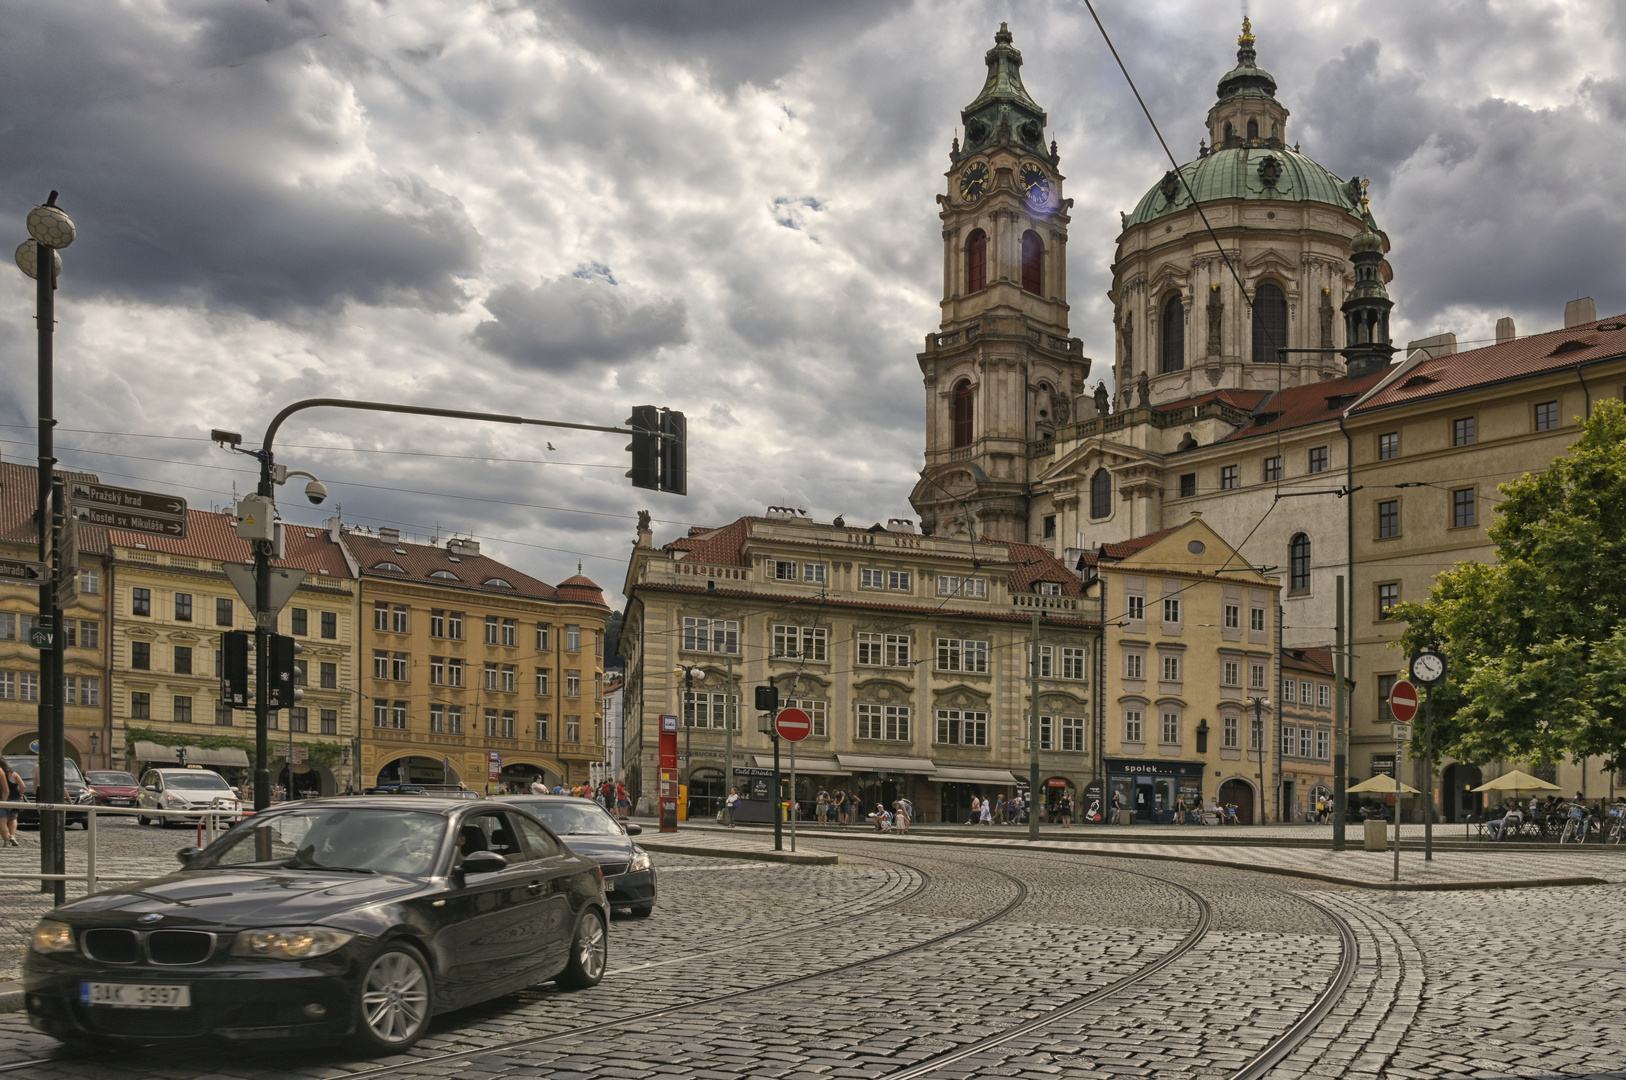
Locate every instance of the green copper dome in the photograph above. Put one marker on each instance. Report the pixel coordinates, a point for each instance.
(1266, 174)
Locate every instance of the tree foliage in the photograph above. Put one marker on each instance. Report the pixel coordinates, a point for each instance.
(1537, 641)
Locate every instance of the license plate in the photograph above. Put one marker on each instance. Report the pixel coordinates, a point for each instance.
(135, 995)
(609, 886)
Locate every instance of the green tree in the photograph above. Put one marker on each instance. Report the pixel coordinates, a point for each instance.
(1537, 641)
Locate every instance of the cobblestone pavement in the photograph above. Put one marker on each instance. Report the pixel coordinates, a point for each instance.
(902, 954)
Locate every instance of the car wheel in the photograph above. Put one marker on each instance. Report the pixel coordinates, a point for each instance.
(142, 819)
(392, 1001)
(589, 952)
(641, 912)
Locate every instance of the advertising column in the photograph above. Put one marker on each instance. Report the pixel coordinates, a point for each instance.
(668, 790)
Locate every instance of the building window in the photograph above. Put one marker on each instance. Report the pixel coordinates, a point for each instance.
(573, 729)
(330, 625)
(330, 721)
(1101, 494)
(1032, 262)
(543, 720)
(140, 705)
(381, 664)
(707, 710)
(1269, 322)
(28, 686)
(491, 676)
(961, 728)
(1273, 469)
(1323, 744)
(492, 625)
(1323, 695)
(510, 632)
(1256, 676)
(299, 719)
(141, 655)
(1231, 673)
(573, 684)
(1233, 617)
(1305, 735)
(1072, 662)
(330, 675)
(1318, 459)
(1462, 431)
(1388, 518)
(182, 713)
(1228, 477)
(141, 602)
(1546, 415)
(1306, 692)
(1256, 733)
(1298, 559)
(1134, 726)
(499, 725)
(1169, 735)
(955, 654)
(542, 681)
(897, 580)
(1137, 609)
(1045, 726)
(437, 623)
(801, 643)
(183, 607)
(886, 722)
(1171, 609)
(976, 261)
(299, 621)
(1188, 485)
(454, 671)
(1171, 669)
(573, 638)
(818, 714)
(1289, 740)
(1049, 527)
(1462, 508)
(883, 650)
(784, 571)
(962, 413)
(1048, 588)
(381, 714)
(381, 617)
(1388, 597)
(699, 635)
(510, 678)
(454, 625)
(1072, 734)
(398, 715)
(90, 582)
(1174, 336)
(223, 614)
(90, 634)
(1389, 446)
(813, 573)
(542, 636)
(8, 685)
(1256, 620)
(183, 659)
(1134, 666)
(1229, 735)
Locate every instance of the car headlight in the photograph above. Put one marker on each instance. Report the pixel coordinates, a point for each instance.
(171, 799)
(52, 936)
(639, 861)
(290, 942)
(87, 796)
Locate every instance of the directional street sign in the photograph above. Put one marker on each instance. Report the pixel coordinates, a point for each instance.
(793, 724)
(1403, 701)
(39, 638)
(18, 572)
(130, 522)
(145, 503)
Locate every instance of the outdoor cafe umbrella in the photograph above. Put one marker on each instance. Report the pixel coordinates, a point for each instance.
(1382, 785)
(1517, 781)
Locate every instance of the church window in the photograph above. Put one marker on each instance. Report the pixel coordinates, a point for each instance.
(962, 413)
(1174, 335)
(1050, 526)
(976, 261)
(1230, 132)
(1100, 494)
(1269, 323)
(1298, 552)
(1253, 130)
(1032, 262)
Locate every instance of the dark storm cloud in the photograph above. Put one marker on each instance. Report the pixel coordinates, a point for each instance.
(573, 321)
(214, 156)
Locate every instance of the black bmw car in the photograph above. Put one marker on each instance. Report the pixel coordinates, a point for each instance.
(358, 917)
(629, 879)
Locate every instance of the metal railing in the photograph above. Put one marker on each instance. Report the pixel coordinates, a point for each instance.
(211, 824)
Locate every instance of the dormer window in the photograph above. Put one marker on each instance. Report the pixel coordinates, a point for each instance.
(445, 575)
(497, 583)
(388, 566)
(1048, 588)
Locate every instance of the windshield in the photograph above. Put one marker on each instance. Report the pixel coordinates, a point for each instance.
(369, 840)
(575, 818)
(25, 768)
(111, 779)
(199, 779)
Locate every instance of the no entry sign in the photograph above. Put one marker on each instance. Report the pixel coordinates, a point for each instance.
(1403, 701)
(793, 724)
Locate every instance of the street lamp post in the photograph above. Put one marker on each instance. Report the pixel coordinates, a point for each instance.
(1033, 729)
(1260, 704)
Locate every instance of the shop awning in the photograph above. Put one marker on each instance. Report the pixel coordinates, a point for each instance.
(866, 763)
(957, 775)
(152, 753)
(805, 763)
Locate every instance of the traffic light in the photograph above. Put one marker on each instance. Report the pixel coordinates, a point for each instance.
(645, 423)
(236, 670)
(674, 453)
(281, 690)
(767, 699)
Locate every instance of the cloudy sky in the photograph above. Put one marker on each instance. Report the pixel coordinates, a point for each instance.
(562, 208)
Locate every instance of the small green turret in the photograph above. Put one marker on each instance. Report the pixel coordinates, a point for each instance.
(1004, 113)
(1366, 309)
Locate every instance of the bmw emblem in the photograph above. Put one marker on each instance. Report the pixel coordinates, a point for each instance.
(149, 919)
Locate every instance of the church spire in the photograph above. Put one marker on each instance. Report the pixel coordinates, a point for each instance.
(1004, 113)
(1366, 310)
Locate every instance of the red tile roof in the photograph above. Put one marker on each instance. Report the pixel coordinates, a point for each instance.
(19, 499)
(1140, 543)
(581, 590)
(1518, 359)
(724, 546)
(1318, 660)
(214, 537)
(1246, 400)
(1311, 403)
(419, 562)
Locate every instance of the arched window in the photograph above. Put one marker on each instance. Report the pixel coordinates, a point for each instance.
(1253, 130)
(1101, 494)
(1298, 557)
(962, 413)
(1032, 262)
(976, 261)
(1229, 131)
(1269, 324)
(1174, 335)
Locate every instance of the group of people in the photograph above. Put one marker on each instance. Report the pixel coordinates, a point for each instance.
(1190, 810)
(1512, 815)
(1002, 811)
(839, 808)
(613, 797)
(895, 820)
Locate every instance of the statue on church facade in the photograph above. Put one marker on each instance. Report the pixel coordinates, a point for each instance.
(1143, 388)
(1326, 318)
(1102, 399)
(1216, 314)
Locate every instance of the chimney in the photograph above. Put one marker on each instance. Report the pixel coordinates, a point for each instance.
(1580, 311)
(389, 536)
(900, 525)
(1504, 330)
(1438, 345)
(458, 546)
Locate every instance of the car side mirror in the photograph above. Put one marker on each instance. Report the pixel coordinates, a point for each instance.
(483, 862)
(635, 830)
(150, 788)
(187, 854)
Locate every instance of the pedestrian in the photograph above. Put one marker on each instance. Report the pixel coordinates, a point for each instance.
(1017, 807)
(1230, 815)
(623, 801)
(11, 791)
(906, 815)
(987, 812)
(976, 811)
(731, 804)
(539, 786)
(999, 809)
(1065, 809)
(821, 806)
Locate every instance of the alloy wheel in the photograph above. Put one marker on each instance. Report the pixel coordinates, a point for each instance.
(592, 948)
(395, 997)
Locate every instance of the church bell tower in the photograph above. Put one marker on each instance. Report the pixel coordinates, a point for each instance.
(1001, 372)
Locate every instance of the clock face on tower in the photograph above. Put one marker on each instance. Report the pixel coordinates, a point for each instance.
(1036, 183)
(974, 181)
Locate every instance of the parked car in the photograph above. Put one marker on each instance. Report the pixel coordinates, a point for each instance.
(113, 788)
(187, 789)
(361, 917)
(73, 787)
(589, 829)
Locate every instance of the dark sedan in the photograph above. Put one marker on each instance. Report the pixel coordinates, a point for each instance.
(358, 917)
(73, 787)
(629, 879)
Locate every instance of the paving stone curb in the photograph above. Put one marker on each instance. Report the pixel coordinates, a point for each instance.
(797, 858)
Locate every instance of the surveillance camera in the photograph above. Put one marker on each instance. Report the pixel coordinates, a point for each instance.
(316, 491)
